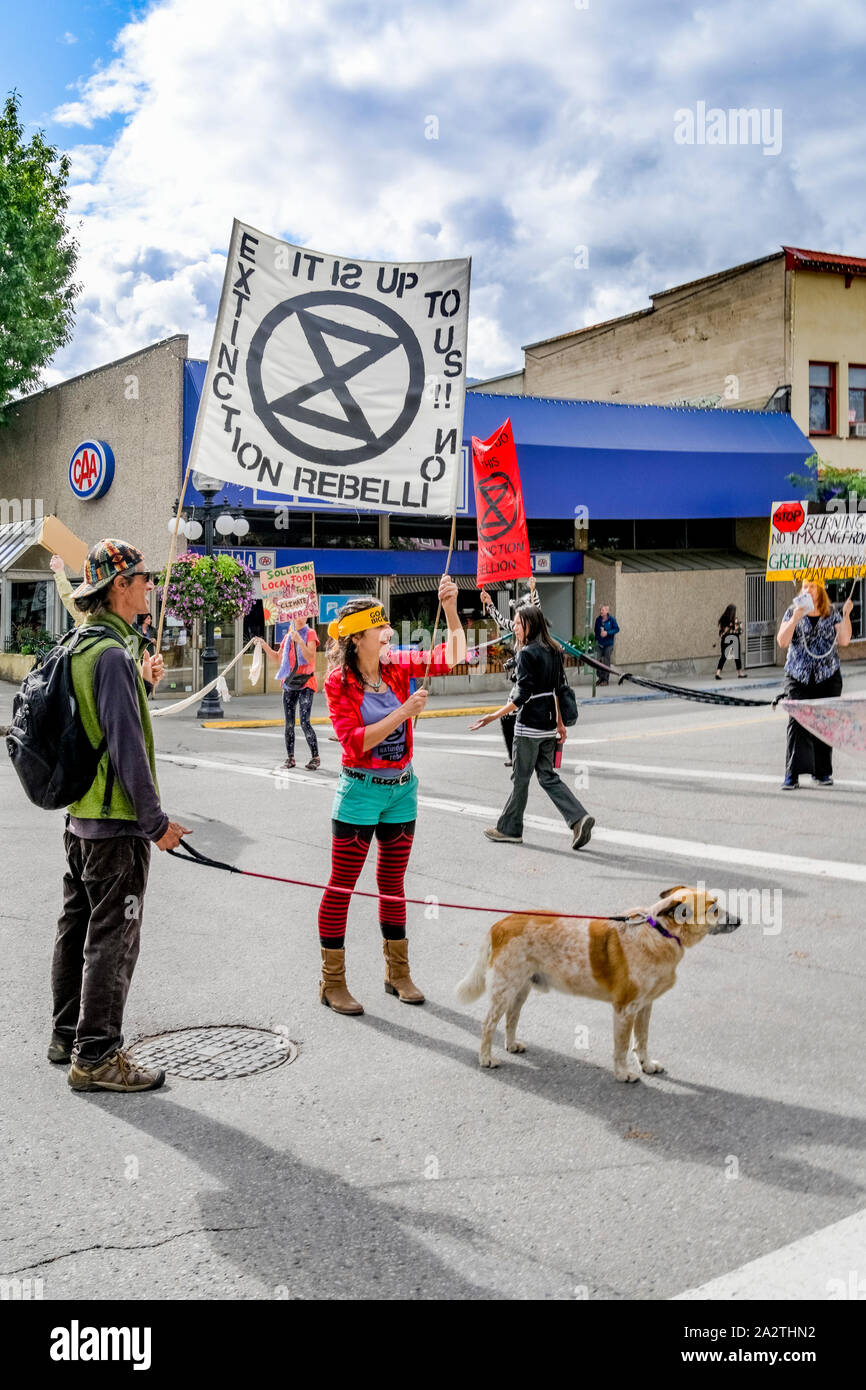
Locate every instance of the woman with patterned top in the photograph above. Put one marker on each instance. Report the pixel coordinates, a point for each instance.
(372, 710)
(812, 632)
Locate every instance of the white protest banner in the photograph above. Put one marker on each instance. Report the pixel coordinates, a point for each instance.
(336, 380)
(289, 592)
(816, 541)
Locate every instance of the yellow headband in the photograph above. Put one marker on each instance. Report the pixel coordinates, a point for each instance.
(357, 622)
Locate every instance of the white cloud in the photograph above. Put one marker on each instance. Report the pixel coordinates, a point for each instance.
(555, 131)
(68, 38)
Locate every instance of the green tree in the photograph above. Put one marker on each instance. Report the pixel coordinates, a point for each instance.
(37, 255)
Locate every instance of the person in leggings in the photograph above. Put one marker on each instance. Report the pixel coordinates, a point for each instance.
(372, 710)
(296, 655)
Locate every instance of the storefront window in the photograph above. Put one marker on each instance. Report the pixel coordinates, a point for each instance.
(355, 531)
(28, 611)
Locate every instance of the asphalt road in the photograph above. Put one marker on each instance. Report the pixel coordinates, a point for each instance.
(383, 1162)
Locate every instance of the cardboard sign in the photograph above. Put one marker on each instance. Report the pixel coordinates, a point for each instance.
(336, 380)
(289, 592)
(816, 540)
(61, 541)
(503, 545)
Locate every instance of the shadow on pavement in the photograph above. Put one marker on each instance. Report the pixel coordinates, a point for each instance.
(299, 1229)
(696, 1124)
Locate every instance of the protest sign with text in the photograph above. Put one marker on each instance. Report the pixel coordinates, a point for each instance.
(815, 541)
(289, 592)
(503, 544)
(336, 380)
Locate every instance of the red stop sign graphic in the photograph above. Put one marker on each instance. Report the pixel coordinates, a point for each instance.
(789, 516)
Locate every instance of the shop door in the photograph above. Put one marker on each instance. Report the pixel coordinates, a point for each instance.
(760, 621)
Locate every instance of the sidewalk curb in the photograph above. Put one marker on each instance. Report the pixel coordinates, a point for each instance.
(460, 711)
(323, 718)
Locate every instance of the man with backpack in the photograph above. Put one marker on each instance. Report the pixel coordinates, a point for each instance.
(109, 828)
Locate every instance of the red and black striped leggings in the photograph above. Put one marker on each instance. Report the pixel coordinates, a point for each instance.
(348, 855)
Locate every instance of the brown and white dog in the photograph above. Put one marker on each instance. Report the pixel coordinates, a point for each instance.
(626, 963)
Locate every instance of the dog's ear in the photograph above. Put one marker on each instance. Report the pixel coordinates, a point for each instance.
(668, 892)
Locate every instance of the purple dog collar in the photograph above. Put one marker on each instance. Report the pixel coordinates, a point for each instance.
(664, 931)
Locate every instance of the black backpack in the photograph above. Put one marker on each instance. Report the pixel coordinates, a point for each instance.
(50, 751)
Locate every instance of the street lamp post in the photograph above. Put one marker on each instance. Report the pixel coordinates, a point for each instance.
(211, 706)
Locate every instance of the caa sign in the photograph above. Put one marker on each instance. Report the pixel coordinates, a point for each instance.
(91, 470)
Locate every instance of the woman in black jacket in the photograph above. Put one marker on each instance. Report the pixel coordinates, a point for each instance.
(509, 666)
(538, 730)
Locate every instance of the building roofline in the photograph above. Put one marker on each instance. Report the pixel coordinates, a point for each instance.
(717, 275)
(105, 367)
(630, 405)
(489, 380)
(798, 258)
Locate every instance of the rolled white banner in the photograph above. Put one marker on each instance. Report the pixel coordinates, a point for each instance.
(180, 705)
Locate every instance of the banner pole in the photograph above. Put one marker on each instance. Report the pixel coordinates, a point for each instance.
(171, 554)
(426, 680)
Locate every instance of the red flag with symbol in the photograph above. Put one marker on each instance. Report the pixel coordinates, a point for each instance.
(503, 545)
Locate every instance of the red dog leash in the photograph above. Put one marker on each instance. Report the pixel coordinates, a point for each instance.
(197, 858)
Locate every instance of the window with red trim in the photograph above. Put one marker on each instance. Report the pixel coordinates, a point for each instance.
(822, 397)
(857, 395)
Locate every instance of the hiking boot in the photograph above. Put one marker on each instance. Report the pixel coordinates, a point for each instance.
(333, 990)
(582, 831)
(117, 1073)
(397, 978)
(493, 834)
(59, 1050)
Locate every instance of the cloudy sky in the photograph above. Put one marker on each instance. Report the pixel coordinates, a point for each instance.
(541, 137)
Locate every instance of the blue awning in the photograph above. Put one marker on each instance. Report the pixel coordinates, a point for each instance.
(644, 462)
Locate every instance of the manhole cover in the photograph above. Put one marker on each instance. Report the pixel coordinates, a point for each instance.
(215, 1053)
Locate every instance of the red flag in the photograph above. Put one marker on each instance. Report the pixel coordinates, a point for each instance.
(503, 545)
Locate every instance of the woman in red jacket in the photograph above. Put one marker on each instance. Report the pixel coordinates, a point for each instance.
(377, 793)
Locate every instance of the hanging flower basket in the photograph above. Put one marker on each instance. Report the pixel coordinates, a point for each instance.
(201, 586)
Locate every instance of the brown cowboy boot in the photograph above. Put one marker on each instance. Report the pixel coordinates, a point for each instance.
(332, 986)
(397, 978)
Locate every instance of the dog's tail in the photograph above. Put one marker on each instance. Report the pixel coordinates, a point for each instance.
(474, 984)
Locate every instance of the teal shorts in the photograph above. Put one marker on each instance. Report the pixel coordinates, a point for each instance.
(369, 803)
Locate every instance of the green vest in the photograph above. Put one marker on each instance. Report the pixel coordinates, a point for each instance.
(90, 806)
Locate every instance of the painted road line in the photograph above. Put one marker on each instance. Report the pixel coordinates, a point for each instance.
(663, 845)
(825, 1265)
(652, 770)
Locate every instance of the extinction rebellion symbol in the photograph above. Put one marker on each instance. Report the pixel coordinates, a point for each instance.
(91, 470)
(386, 333)
(500, 514)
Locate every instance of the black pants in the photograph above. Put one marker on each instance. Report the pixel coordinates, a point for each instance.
(730, 648)
(98, 936)
(605, 655)
(508, 722)
(536, 755)
(302, 700)
(804, 753)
